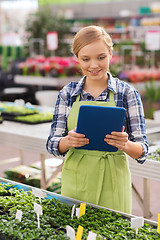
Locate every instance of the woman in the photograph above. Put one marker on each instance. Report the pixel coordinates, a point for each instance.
(97, 177)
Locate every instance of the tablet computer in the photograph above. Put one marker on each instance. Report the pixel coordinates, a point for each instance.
(97, 121)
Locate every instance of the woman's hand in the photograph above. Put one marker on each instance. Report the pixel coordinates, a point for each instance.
(76, 139)
(117, 139)
(120, 140)
(72, 140)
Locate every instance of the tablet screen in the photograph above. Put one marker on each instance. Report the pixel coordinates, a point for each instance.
(97, 121)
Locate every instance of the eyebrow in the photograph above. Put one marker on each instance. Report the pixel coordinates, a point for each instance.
(98, 55)
(84, 56)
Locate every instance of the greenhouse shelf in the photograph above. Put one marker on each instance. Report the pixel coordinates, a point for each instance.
(152, 131)
(150, 169)
(44, 81)
(70, 201)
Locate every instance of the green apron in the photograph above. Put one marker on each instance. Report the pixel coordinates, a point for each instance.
(97, 177)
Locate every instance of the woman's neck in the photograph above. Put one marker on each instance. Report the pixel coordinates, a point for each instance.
(95, 88)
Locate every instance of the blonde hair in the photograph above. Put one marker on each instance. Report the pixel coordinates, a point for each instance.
(88, 35)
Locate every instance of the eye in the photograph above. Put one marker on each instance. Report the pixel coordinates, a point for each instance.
(101, 58)
(85, 59)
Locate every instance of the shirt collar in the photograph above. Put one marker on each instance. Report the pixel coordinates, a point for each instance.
(112, 82)
(79, 87)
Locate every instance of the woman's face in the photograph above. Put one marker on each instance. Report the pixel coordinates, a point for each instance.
(94, 60)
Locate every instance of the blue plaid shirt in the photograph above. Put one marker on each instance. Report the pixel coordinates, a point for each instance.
(124, 95)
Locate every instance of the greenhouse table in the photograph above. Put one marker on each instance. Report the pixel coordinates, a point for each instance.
(30, 138)
(44, 81)
(148, 171)
(153, 131)
(61, 81)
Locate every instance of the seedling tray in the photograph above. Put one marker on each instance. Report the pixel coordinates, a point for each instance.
(11, 116)
(35, 119)
(57, 209)
(32, 119)
(11, 110)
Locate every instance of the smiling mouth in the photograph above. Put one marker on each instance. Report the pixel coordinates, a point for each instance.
(95, 72)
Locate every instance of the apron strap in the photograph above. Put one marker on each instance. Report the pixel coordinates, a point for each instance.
(111, 97)
(78, 98)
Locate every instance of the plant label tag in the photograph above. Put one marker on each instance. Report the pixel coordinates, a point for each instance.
(70, 232)
(82, 209)
(79, 233)
(38, 220)
(38, 208)
(19, 215)
(92, 236)
(77, 212)
(38, 193)
(73, 210)
(137, 222)
(158, 230)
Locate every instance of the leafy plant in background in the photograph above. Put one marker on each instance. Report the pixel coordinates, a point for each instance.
(44, 21)
(152, 96)
(36, 118)
(152, 93)
(116, 69)
(147, 55)
(8, 109)
(155, 156)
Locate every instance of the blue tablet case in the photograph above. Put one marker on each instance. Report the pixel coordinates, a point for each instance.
(97, 121)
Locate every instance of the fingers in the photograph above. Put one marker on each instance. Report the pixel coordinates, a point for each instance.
(123, 128)
(76, 139)
(74, 134)
(117, 139)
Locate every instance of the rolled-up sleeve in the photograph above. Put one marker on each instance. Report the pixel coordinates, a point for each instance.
(135, 122)
(59, 124)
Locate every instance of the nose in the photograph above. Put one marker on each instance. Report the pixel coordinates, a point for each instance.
(94, 64)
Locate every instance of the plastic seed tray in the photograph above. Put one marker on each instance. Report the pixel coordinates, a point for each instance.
(71, 201)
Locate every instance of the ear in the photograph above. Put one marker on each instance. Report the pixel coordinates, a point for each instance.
(77, 58)
(110, 55)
